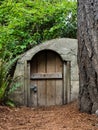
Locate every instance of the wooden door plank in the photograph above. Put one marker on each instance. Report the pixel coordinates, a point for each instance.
(57, 75)
(59, 85)
(50, 83)
(59, 64)
(64, 82)
(33, 69)
(41, 83)
(34, 64)
(33, 95)
(59, 91)
(68, 82)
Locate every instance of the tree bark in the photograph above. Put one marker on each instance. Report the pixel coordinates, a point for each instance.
(88, 55)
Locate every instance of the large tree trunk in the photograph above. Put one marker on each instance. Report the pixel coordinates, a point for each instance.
(88, 55)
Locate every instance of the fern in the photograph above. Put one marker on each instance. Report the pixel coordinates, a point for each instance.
(5, 79)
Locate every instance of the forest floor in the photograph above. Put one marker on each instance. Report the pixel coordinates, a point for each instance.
(65, 117)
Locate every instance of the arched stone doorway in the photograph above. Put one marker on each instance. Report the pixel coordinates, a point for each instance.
(48, 56)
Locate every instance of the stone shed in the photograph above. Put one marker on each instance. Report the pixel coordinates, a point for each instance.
(48, 74)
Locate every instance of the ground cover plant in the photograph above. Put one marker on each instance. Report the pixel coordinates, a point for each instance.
(7, 83)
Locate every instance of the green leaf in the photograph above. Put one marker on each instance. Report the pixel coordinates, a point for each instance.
(0, 46)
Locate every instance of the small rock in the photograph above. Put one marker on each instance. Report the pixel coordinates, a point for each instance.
(96, 112)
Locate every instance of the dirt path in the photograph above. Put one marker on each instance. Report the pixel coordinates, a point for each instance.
(53, 118)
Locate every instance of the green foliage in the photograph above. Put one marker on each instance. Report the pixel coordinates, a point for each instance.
(24, 23)
(7, 83)
(10, 103)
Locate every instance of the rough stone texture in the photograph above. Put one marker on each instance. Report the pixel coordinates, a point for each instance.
(18, 95)
(74, 89)
(66, 48)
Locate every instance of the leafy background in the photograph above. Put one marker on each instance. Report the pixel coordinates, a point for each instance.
(25, 23)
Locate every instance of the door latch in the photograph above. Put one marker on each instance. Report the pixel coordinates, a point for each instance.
(33, 88)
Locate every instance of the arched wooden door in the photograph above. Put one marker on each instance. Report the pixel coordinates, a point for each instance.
(46, 79)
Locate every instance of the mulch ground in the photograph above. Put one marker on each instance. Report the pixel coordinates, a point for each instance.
(65, 117)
